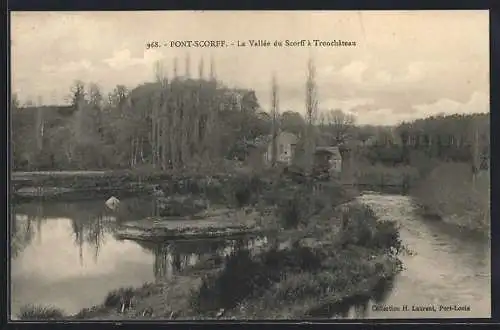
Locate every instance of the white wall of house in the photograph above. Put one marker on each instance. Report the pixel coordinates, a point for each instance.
(335, 165)
(285, 148)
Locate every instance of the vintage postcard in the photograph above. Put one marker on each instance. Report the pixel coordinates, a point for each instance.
(183, 165)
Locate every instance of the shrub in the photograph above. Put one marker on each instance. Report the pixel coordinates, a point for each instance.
(297, 287)
(117, 297)
(36, 312)
(181, 205)
(387, 237)
(297, 203)
(296, 259)
(243, 277)
(291, 212)
(242, 196)
(359, 224)
(362, 228)
(240, 278)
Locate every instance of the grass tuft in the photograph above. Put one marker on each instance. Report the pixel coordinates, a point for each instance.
(37, 312)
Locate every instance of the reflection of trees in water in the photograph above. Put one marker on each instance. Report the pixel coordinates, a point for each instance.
(78, 233)
(21, 234)
(24, 227)
(173, 257)
(162, 266)
(91, 230)
(90, 222)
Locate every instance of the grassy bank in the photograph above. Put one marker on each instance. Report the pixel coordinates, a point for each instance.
(69, 185)
(321, 251)
(383, 175)
(444, 190)
(450, 193)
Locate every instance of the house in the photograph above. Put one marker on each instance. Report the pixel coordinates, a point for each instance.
(286, 143)
(328, 159)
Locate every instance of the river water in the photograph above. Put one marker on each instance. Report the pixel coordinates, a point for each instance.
(446, 267)
(65, 254)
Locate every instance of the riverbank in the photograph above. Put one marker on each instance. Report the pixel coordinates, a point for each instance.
(77, 185)
(450, 194)
(337, 254)
(444, 191)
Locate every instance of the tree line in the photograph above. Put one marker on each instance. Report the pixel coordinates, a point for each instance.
(171, 124)
(162, 124)
(455, 138)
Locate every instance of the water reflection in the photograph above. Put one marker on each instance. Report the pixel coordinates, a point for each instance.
(172, 258)
(66, 254)
(89, 224)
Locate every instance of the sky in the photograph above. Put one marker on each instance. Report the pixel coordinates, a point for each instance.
(405, 64)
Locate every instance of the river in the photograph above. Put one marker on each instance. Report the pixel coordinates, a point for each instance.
(445, 267)
(65, 254)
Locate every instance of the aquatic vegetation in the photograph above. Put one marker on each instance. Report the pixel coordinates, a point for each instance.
(37, 313)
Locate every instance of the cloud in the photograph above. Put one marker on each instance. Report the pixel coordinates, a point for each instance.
(349, 105)
(386, 116)
(69, 67)
(415, 72)
(389, 67)
(122, 59)
(354, 71)
(478, 103)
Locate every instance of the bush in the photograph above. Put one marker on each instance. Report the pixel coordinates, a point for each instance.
(387, 237)
(379, 174)
(181, 205)
(35, 312)
(359, 224)
(362, 228)
(297, 203)
(291, 212)
(240, 278)
(244, 277)
(297, 287)
(117, 297)
(297, 259)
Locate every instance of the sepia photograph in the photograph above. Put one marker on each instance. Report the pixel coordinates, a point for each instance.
(249, 165)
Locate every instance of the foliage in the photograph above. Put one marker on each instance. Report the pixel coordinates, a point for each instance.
(337, 126)
(240, 278)
(379, 174)
(117, 297)
(292, 122)
(298, 201)
(37, 313)
(278, 276)
(449, 192)
(244, 277)
(167, 124)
